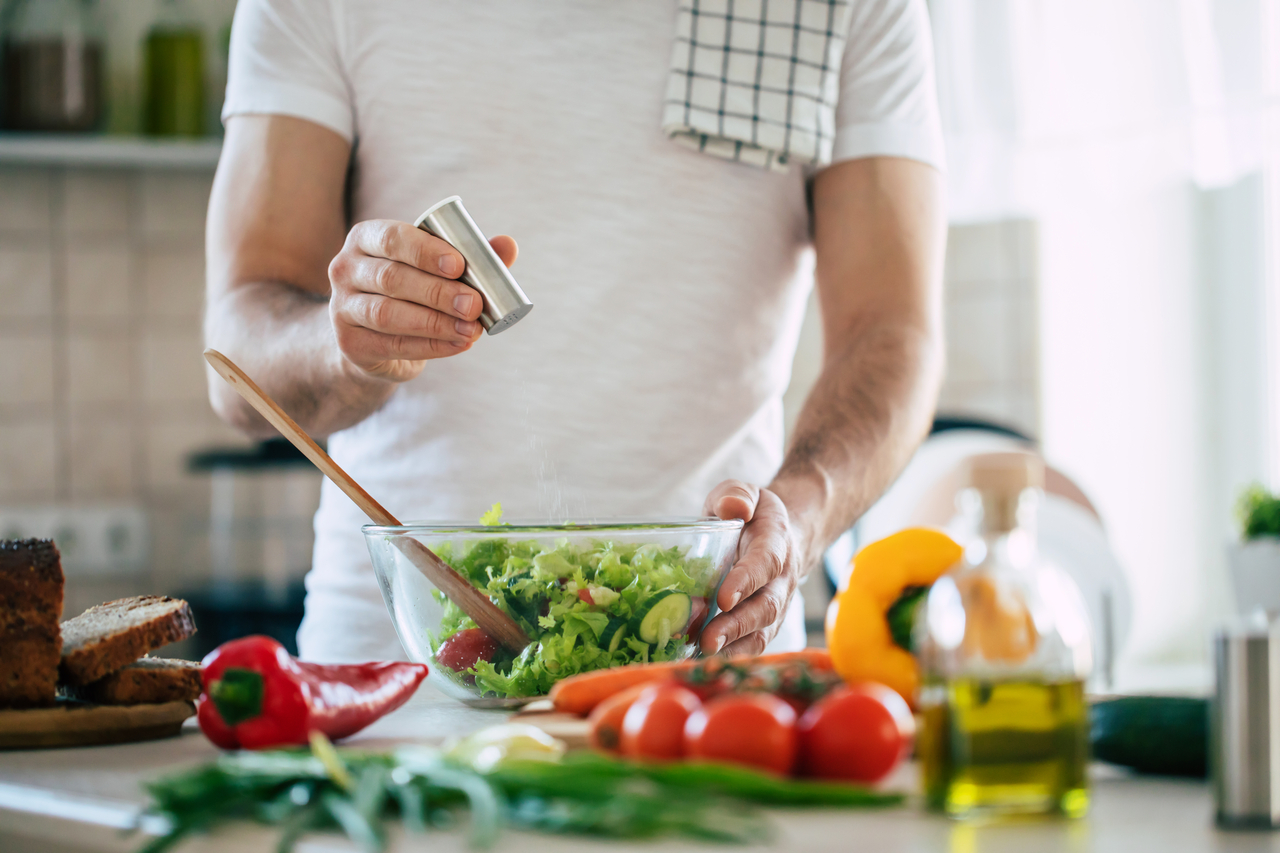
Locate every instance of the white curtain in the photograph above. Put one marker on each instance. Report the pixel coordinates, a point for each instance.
(1038, 91)
(1142, 137)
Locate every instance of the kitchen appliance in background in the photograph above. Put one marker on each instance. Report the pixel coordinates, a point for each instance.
(262, 500)
(53, 65)
(173, 72)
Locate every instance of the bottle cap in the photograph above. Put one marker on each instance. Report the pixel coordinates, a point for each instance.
(1001, 478)
(1006, 473)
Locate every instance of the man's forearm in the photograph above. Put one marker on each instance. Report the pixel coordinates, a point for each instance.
(282, 337)
(867, 413)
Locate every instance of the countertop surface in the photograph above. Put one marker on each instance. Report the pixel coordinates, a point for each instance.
(80, 799)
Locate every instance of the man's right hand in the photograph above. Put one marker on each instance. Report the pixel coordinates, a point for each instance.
(395, 301)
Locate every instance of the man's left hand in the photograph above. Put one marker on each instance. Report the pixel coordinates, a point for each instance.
(757, 590)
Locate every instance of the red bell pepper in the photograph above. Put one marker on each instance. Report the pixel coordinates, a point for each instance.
(257, 696)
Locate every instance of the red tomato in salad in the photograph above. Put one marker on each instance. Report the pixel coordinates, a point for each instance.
(653, 726)
(755, 729)
(461, 651)
(857, 733)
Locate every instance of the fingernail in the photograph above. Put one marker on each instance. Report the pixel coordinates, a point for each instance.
(462, 304)
(459, 344)
(465, 327)
(716, 645)
(450, 265)
(733, 602)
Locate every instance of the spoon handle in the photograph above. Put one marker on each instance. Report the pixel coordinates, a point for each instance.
(474, 603)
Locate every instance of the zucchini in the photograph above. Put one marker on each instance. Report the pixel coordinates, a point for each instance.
(613, 633)
(661, 616)
(1164, 735)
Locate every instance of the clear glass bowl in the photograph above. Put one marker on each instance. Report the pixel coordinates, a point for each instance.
(590, 594)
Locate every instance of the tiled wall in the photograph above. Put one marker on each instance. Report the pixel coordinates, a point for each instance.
(992, 323)
(102, 389)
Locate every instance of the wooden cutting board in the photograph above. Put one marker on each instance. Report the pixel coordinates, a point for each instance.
(567, 727)
(76, 724)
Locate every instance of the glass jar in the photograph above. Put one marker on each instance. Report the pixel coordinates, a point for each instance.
(173, 72)
(1005, 651)
(53, 66)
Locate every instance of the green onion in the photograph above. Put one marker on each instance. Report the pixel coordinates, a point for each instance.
(584, 793)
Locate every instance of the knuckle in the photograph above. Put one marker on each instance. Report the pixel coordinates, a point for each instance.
(381, 314)
(771, 604)
(385, 277)
(385, 241)
(433, 293)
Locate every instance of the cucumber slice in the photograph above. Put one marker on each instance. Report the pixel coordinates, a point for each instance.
(662, 616)
(613, 633)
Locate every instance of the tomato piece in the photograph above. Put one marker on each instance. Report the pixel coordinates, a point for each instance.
(585, 595)
(755, 729)
(653, 726)
(461, 651)
(858, 733)
(605, 720)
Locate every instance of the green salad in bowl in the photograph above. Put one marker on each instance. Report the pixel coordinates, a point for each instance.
(589, 595)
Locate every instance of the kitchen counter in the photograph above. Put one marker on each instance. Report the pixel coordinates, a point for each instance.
(57, 801)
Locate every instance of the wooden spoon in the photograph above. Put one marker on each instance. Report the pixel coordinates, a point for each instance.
(488, 616)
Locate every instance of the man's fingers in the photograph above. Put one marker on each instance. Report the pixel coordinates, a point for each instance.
(400, 241)
(749, 646)
(403, 282)
(398, 317)
(506, 248)
(762, 552)
(732, 499)
(374, 347)
(759, 614)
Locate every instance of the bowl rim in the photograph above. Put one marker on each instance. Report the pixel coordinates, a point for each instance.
(681, 524)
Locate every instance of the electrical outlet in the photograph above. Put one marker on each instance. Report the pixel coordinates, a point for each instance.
(101, 541)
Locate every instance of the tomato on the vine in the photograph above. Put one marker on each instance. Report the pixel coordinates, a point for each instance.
(858, 733)
(755, 729)
(653, 726)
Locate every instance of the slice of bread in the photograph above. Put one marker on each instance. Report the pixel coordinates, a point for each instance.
(145, 681)
(31, 585)
(111, 636)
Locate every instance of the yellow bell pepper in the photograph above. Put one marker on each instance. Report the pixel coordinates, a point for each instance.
(858, 635)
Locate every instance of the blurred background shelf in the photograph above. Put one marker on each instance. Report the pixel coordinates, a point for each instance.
(108, 151)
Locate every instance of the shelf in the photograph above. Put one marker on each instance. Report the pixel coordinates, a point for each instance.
(40, 149)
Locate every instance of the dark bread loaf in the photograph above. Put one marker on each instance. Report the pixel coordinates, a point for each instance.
(145, 681)
(31, 584)
(111, 636)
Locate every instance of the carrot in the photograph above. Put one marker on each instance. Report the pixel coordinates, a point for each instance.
(579, 694)
(819, 659)
(605, 720)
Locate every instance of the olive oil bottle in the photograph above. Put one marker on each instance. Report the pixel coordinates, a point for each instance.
(1004, 644)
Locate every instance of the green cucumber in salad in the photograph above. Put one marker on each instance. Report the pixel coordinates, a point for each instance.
(586, 606)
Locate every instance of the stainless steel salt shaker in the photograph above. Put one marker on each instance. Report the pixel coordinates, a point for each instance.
(1244, 725)
(504, 301)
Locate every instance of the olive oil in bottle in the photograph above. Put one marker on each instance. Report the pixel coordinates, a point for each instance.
(1004, 644)
(1004, 746)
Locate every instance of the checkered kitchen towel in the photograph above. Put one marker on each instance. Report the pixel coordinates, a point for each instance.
(756, 80)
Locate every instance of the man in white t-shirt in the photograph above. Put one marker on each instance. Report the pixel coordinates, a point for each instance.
(669, 284)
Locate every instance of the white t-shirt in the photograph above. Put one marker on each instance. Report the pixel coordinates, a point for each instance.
(668, 285)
